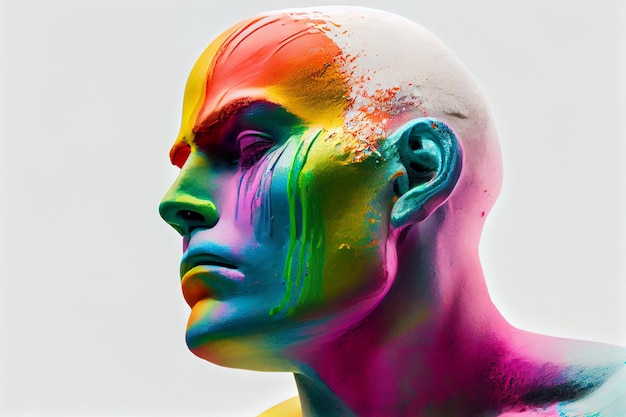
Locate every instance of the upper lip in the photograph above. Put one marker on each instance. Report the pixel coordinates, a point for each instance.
(192, 260)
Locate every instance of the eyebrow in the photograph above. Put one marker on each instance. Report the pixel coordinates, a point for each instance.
(217, 119)
(224, 112)
(218, 126)
(213, 120)
(241, 113)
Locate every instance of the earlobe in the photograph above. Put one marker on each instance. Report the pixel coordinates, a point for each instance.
(432, 157)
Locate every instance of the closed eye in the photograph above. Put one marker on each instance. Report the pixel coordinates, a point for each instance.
(253, 145)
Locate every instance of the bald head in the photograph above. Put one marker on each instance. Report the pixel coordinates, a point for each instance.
(364, 71)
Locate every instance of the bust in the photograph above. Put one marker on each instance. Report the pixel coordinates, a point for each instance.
(337, 165)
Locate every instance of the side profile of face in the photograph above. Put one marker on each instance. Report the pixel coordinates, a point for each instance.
(289, 176)
(283, 230)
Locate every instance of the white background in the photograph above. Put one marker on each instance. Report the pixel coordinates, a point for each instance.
(92, 319)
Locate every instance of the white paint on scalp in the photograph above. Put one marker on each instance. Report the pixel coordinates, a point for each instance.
(398, 68)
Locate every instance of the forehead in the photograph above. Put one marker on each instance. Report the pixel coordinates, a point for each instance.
(282, 59)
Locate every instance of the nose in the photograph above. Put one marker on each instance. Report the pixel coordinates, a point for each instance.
(187, 206)
(187, 214)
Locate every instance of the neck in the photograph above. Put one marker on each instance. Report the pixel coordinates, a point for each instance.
(436, 346)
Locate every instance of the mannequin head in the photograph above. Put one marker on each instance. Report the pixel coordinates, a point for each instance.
(312, 142)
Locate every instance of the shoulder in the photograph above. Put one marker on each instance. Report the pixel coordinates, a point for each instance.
(607, 400)
(287, 408)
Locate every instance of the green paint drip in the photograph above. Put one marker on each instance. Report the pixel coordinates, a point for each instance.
(304, 199)
(313, 233)
(295, 190)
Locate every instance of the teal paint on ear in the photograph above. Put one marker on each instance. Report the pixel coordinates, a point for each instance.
(433, 158)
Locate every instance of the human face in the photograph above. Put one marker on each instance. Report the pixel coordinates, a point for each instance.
(284, 227)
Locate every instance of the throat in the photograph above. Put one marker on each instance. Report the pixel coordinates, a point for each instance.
(318, 400)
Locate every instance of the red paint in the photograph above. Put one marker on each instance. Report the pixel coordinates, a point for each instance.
(291, 57)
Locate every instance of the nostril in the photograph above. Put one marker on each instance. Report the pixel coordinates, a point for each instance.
(190, 216)
(186, 213)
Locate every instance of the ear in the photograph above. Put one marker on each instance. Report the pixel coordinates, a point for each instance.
(432, 157)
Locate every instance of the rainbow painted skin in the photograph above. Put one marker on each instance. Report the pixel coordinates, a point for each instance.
(331, 207)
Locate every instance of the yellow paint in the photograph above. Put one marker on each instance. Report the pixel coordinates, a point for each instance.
(288, 408)
(195, 90)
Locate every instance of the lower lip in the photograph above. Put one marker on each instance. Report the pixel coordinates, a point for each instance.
(207, 281)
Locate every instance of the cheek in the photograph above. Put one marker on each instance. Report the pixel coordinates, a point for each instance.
(355, 254)
(351, 209)
(262, 197)
(247, 200)
(325, 220)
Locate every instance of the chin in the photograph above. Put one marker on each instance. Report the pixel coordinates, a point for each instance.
(242, 353)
